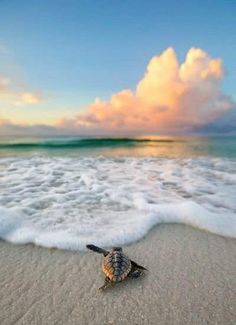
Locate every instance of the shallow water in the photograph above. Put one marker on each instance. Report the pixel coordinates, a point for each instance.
(148, 146)
(114, 193)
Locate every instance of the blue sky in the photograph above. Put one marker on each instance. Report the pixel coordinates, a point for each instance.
(74, 51)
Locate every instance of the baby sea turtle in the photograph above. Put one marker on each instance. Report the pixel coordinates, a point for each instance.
(116, 265)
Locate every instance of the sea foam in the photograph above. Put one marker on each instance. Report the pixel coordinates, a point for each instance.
(70, 202)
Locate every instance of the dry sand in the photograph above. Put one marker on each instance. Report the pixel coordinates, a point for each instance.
(192, 280)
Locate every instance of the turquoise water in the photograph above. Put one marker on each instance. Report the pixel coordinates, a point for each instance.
(131, 147)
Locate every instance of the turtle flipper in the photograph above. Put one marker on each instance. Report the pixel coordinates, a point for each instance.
(137, 266)
(136, 270)
(135, 273)
(107, 284)
(97, 249)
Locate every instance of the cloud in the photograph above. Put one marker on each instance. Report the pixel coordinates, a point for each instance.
(26, 98)
(7, 128)
(171, 97)
(4, 85)
(10, 92)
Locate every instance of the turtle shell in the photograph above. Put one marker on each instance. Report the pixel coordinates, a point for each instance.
(116, 266)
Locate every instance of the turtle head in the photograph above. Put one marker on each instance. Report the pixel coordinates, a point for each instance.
(117, 249)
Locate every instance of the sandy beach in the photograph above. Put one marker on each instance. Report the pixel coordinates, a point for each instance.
(117, 128)
(192, 280)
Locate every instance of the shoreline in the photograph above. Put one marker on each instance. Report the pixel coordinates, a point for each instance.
(191, 280)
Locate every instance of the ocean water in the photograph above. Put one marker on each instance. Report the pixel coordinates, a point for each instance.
(68, 192)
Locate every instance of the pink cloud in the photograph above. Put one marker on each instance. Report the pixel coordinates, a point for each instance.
(17, 97)
(171, 97)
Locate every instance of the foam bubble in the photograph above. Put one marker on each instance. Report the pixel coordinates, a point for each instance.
(70, 202)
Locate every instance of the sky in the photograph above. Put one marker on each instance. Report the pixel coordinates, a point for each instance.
(117, 67)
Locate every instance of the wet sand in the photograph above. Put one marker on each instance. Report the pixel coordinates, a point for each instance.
(192, 280)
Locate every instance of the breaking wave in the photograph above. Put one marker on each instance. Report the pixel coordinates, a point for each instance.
(70, 202)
